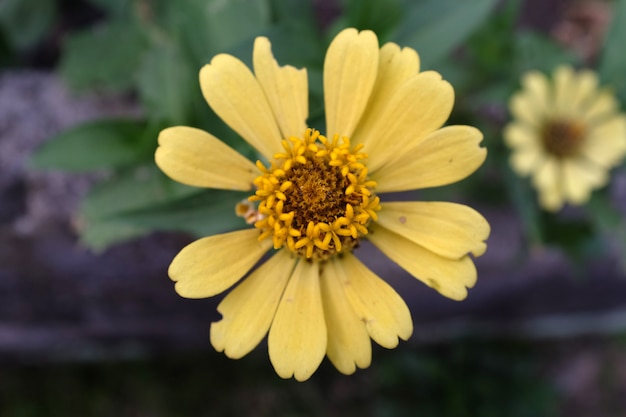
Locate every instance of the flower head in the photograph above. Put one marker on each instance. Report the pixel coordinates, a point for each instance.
(567, 134)
(318, 197)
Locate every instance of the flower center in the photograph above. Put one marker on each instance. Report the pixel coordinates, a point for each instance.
(563, 138)
(315, 198)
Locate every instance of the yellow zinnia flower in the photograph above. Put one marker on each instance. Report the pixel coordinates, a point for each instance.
(317, 197)
(567, 134)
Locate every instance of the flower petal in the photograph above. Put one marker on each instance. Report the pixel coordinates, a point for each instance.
(298, 336)
(547, 180)
(564, 91)
(248, 310)
(445, 156)
(350, 70)
(520, 135)
(395, 67)
(533, 103)
(286, 89)
(420, 106)
(580, 178)
(213, 264)
(538, 86)
(605, 144)
(602, 105)
(194, 157)
(447, 229)
(527, 151)
(349, 344)
(236, 97)
(449, 277)
(584, 88)
(526, 160)
(385, 314)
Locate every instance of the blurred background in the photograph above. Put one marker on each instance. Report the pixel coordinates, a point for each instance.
(89, 322)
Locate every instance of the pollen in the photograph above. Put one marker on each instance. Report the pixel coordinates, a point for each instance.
(562, 138)
(315, 198)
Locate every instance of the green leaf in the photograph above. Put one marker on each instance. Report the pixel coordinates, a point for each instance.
(296, 13)
(606, 217)
(100, 235)
(296, 46)
(491, 47)
(569, 234)
(168, 85)
(435, 27)
(208, 27)
(116, 8)
(524, 200)
(128, 191)
(535, 51)
(105, 56)
(142, 200)
(97, 145)
(210, 212)
(135, 189)
(25, 22)
(613, 60)
(376, 15)
(609, 222)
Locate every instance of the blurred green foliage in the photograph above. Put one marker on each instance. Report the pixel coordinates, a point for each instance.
(25, 22)
(155, 48)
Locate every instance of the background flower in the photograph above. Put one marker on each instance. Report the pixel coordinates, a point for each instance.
(567, 134)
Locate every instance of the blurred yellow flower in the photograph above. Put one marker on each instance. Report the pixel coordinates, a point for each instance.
(566, 133)
(317, 198)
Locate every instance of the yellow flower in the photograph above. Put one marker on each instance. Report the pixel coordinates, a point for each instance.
(567, 134)
(317, 198)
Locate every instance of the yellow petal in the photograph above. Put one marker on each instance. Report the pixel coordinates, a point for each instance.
(248, 310)
(602, 105)
(286, 89)
(528, 152)
(447, 229)
(350, 70)
(580, 178)
(519, 135)
(445, 156)
(420, 106)
(194, 157)
(236, 97)
(522, 109)
(383, 311)
(534, 102)
(395, 67)
(539, 89)
(297, 338)
(584, 88)
(564, 91)
(213, 264)
(526, 160)
(449, 277)
(605, 144)
(547, 180)
(349, 344)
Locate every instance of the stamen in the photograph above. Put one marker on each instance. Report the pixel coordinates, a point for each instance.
(315, 198)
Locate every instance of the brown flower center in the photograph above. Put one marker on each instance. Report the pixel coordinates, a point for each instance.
(315, 198)
(562, 138)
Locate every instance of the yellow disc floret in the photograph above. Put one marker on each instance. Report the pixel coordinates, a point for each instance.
(315, 198)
